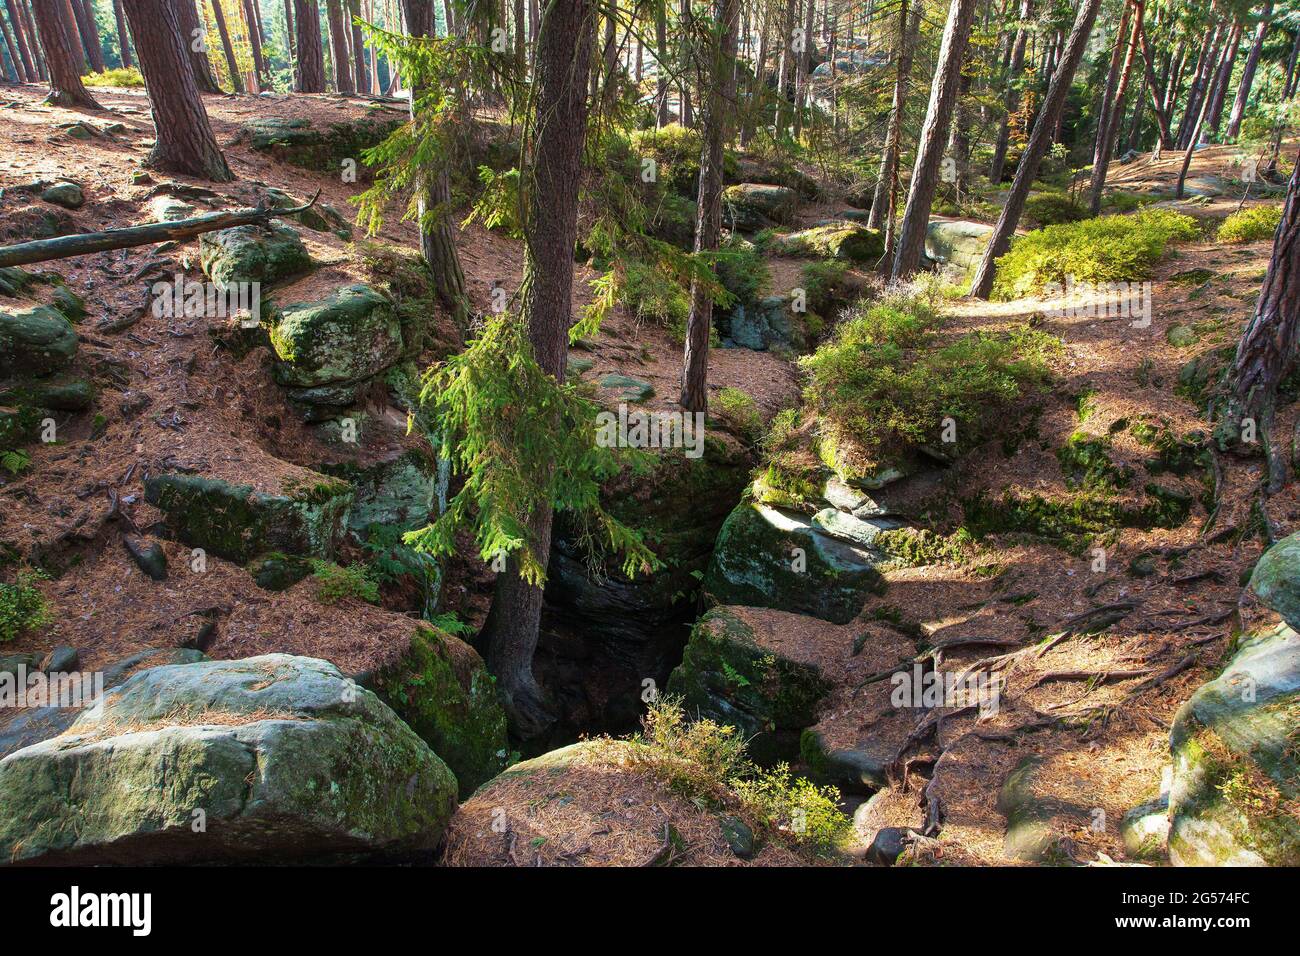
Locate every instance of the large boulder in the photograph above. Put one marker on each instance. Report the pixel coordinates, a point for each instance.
(1236, 778)
(729, 676)
(268, 759)
(264, 254)
(238, 523)
(324, 148)
(956, 242)
(767, 324)
(847, 241)
(35, 341)
(442, 690)
(748, 207)
(770, 557)
(1276, 579)
(352, 335)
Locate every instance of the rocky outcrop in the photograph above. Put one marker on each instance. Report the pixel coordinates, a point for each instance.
(273, 758)
(37, 341)
(846, 241)
(748, 207)
(769, 557)
(264, 254)
(323, 148)
(957, 243)
(1236, 776)
(352, 335)
(238, 523)
(767, 324)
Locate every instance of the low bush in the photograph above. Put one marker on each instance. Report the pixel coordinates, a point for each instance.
(22, 605)
(1051, 209)
(1250, 225)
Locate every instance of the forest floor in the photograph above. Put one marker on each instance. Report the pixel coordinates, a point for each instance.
(168, 399)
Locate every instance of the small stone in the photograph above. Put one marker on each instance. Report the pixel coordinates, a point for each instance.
(67, 195)
(148, 556)
(62, 660)
(578, 365)
(739, 837)
(888, 845)
(633, 389)
(140, 178)
(1181, 336)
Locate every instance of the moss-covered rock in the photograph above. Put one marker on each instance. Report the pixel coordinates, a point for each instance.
(279, 759)
(748, 207)
(957, 243)
(1276, 579)
(1145, 830)
(320, 217)
(323, 148)
(846, 241)
(237, 523)
(766, 557)
(769, 323)
(1034, 833)
(727, 676)
(265, 254)
(1236, 773)
(352, 335)
(36, 341)
(445, 694)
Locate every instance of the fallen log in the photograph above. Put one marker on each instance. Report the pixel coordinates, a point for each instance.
(63, 247)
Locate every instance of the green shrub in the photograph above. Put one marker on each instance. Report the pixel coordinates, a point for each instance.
(884, 382)
(22, 605)
(1118, 202)
(1250, 225)
(1050, 209)
(1105, 249)
(741, 269)
(676, 152)
(118, 76)
(740, 413)
(821, 282)
(707, 763)
(497, 206)
(335, 583)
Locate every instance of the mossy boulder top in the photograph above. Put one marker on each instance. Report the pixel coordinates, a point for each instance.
(751, 206)
(1236, 773)
(35, 341)
(847, 241)
(957, 242)
(352, 335)
(770, 557)
(322, 148)
(1276, 579)
(281, 758)
(237, 523)
(265, 254)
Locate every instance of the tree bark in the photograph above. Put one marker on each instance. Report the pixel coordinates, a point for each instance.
(25, 43)
(758, 85)
(883, 200)
(1194, 139)
(1039, 140)
(563, 61)
(1112, 83)
(661, 64)
(23, 73)
(437, 240)
(1219, 93)
(311, 58)
(12, 64)
(255, 43)
(1267, 351)
(1248, 74)
(290, 37)
(802, 67)
(33, 43)
(194, 39)
(1201, 77)
(232, 65)
(362, 77)
(708, 224)
(184, 142)
(84, 14)
(339, 48)
(123, 35)
(56, 33)
(934, 136)
(1154, 86)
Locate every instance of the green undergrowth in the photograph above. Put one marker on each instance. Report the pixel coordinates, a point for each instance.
(22, 605)
(1250, 225)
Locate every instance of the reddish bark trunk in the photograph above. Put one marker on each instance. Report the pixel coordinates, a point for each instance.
(56, 33)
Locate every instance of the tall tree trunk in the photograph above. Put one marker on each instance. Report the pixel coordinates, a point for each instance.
(84, 14)
(687, 113)
(1201, 76)
(1194, 137)
(785, 67)
(123, 35)
(881, 215)
(75, 43)
(1114, 112)
(1291, 74)
(255, 43)
(934, 135)
(25, 43)
(1248, 74)
(33, 42)
(1267, 351)
(802, 62)
(1012, 100)
(708, 224)
(290, 38)
(437, 240)
(1112, 82)
(1219, 94)
(1154, 86)
(183, 137)
(339, 48)
(661, 64)
(57, 33)
(352, 9)
(1039, 140)
(195, 41)
(311, 58)
(758, 84)
(562, 61)
(13, 64)
(232, 65)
